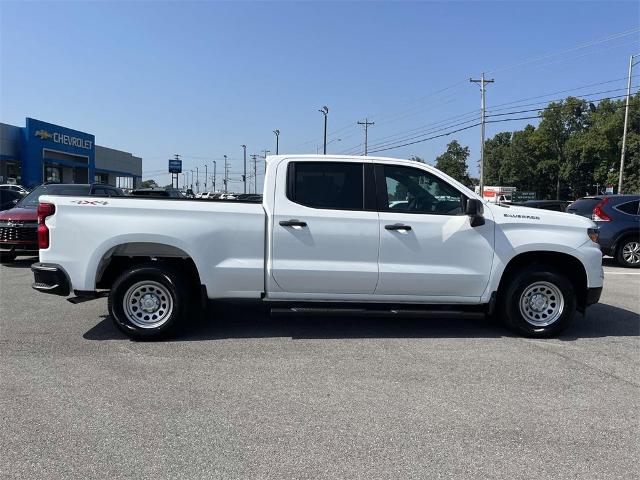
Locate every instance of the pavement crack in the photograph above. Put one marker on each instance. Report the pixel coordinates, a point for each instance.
(545, 346)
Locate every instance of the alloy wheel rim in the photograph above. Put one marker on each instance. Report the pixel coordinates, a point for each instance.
(631, 253)
(147, 304)
(541, 304)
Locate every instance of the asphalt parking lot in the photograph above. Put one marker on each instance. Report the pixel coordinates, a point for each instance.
(248, 396)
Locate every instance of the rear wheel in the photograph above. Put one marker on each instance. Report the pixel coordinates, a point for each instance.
(149, 301)
(628, 253)
(538, 302)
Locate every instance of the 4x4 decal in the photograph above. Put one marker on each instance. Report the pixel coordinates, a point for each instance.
(90, 202)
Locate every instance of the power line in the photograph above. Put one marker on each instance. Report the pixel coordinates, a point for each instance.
(592, 43)
(448, 122)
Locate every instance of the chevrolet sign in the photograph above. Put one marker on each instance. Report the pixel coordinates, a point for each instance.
(64, 139)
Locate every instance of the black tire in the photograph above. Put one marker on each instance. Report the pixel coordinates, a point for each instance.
(629, 242)
(165, 285)
(7, 257)
(548, 285)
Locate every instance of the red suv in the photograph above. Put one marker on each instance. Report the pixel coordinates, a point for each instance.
(19, 225)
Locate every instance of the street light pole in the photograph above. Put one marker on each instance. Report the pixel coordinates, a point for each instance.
(264, 155)
(325, 111)
(205, 177)
(244, 177)
(255, 173)
(191, 180)
(225, 174)
(277, 132)
(214, 175)
(626, 123)
(197, 180)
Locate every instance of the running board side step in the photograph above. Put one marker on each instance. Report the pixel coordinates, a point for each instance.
(374, 312)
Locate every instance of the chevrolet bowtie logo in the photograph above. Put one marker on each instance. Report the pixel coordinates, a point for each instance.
(43, 134)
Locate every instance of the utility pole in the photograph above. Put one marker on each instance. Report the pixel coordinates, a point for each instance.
(482, 83)
(205, 177)
(325, 111)
(277, 132)
(215, 164)
(244, 177)
(191, 180)
(197, 180)
(254, 157)
(626, 123)
(366, 124)
(226, 174)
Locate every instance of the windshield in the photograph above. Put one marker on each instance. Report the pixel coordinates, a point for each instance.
(32, 199)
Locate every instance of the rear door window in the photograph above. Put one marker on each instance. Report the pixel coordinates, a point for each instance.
(630, 207)
(329, 185)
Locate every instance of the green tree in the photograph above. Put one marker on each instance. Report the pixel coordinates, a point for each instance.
(453, 162)
(560, 121)
(416, 158)
(496, 154)
(148, 184)
(631, 177)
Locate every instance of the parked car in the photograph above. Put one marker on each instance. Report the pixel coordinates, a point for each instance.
(9, 198)
(14, 187)
(618, 218)
(158, 193)
(249, 196)
(323, 240)
(553, 205)
(18, 225)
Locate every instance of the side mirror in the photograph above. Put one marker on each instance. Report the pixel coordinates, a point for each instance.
(475, 211)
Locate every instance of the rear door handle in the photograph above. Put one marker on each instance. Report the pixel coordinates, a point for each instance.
(398, 226)
(293, 223)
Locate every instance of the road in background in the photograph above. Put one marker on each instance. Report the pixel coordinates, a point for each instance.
(249, 396)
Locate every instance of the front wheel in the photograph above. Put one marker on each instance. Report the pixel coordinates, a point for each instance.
(148, 301)
(538, 302)
(628, 253)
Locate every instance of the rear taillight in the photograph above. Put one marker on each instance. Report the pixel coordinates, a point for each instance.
(44, 210)
(598, 213)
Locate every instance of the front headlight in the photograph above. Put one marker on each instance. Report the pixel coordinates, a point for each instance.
(594, 234)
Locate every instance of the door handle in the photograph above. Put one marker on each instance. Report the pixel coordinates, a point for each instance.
(293, 223)
(397, 226)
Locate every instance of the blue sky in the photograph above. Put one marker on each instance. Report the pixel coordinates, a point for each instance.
(202, 78)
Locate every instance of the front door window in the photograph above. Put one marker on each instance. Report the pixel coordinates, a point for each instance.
(410, 190)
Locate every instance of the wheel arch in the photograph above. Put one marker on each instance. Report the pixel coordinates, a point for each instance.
(565, 263)
(624, 235)
(126, 255)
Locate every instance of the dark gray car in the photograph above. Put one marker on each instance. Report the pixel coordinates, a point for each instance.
(618, 218)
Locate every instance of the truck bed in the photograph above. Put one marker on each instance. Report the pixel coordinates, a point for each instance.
(226, 236)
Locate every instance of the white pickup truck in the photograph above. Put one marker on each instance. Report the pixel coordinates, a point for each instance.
(332, 234)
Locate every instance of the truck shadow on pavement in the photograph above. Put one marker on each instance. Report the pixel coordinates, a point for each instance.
(22, 262)
(227, 322)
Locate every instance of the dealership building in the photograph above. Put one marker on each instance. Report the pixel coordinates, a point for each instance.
(41, 152)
